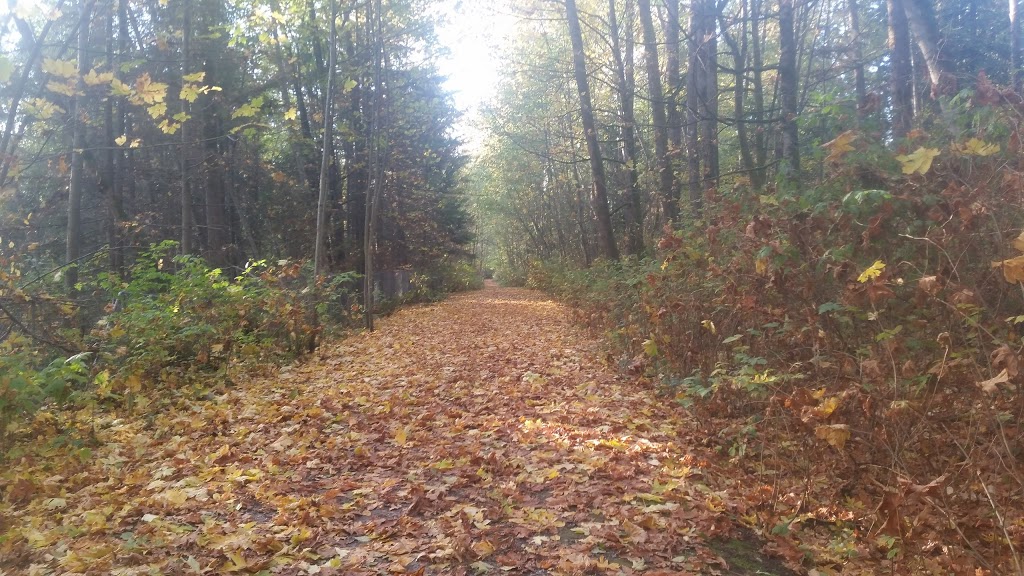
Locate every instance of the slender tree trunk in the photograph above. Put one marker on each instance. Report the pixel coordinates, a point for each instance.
(694, 80)
(186, 192)
(74, 231)
(759, 176)
(376, 161)
(921, 19)
(356, 154)
(901, 74)
(1015, 63)
(739, 54)
(789, 89)
(666, 179)
(673, 90)
(634, 219)
(599, 192)
(856, 52)
(319, 249)
(112, 128)
(708, 58)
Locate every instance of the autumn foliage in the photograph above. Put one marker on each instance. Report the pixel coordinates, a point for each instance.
(856, 345)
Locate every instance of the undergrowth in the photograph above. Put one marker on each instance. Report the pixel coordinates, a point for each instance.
(173, 327)
(855, 345)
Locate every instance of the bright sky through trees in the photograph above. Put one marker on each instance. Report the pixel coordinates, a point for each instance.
(475, 32)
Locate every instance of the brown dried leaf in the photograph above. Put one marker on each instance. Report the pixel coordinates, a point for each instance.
(991, 385)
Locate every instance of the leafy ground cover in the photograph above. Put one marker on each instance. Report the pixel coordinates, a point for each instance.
(483, 434)
(854, 345)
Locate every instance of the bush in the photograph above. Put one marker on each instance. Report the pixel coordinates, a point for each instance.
(865, 329)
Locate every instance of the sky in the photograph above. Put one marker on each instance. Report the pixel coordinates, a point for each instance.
(475, 32)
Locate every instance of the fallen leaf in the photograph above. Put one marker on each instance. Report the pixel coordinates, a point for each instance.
(919, 161)
(835, 434)
(990, 386)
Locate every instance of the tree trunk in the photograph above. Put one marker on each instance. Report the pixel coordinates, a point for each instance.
(739, 57)
(376, 162)
(759, 176)
(857, 54)
(902, 90)
(921, 18)
(111, 178)
(789, 89)
(708, 58)
(666, 179)
(74, 232)
(1015, 63)
(319, 248)
(694, 81)
(633, 213)
(599, 192)
(186, 192)
(672, 91)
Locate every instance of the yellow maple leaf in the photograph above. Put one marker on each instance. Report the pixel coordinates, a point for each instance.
(149, 92)
(65, 88)
(169, 127)
(761, 266)
(94, 78)
(1013, 269)
(196, 77)
(42, 109)
(828, 406)
(157, 110)
(402, 435)
(976, 147)
(835, 434)
(483, 548)
(291, 113)
(61, 68)
(118, 88)
(120, 140)
(919, 161)
(873, 271)
(175, 497)
(840, 145)
(1018, 242)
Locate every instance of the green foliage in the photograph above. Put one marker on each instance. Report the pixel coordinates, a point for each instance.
(27, 382)
(178, 326)
(445, 276)
(182, 318)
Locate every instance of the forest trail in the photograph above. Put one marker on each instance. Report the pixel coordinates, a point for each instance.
(477, 435)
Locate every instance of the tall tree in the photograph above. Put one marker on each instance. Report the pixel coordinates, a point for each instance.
(788, 86)
(921, 18)
(75, 187)
(624, 84)
(319, 247)
(857, 55)
(901, 75)
(599, 187)
(1015, 63)
(673, 77)
(666, 178)
(184, 157)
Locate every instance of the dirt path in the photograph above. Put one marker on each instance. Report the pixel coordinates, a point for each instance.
(478, 435)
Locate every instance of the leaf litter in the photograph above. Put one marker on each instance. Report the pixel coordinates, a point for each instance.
(479, 435)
